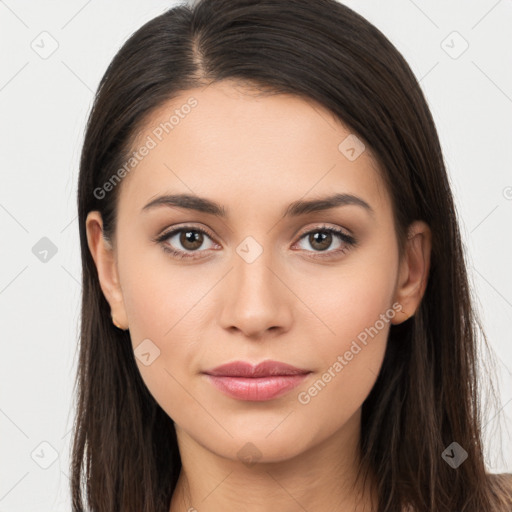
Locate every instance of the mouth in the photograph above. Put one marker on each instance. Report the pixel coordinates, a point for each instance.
(265, 381)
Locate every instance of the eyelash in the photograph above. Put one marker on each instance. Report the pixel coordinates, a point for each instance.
(348, 240)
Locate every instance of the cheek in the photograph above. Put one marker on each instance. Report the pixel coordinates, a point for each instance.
(352, 362)
(162, 303)
(159, 295)
(348, 302)
(353, 309)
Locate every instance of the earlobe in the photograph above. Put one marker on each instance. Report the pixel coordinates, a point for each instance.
(104, 258)
(414, 270)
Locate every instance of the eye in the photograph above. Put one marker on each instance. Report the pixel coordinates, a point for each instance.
(321, 238)
(190, 238)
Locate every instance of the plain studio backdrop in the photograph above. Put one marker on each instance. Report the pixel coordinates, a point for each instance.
(53, 55)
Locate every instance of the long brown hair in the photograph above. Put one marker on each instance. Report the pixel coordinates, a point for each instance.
(125, 454)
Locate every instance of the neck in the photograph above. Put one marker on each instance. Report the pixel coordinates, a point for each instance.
(322, 478)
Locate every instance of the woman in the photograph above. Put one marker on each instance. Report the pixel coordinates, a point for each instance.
(276, 312)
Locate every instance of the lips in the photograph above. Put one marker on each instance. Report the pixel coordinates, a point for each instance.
(265, 381)
(267, 368)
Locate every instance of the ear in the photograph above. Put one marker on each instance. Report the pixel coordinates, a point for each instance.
(104, 257)
(414, 270)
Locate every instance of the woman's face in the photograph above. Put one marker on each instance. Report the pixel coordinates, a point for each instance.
(267, 280)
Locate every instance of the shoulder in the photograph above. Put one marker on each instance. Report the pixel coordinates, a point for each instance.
(501, 479)
(501, 486)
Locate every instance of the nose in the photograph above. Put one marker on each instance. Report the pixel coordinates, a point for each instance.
(255, 298)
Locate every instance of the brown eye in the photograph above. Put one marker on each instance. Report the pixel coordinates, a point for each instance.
(191, 239)
(320, 240)
(185, 242)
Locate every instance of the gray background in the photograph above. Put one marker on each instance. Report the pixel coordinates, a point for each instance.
(44, 101)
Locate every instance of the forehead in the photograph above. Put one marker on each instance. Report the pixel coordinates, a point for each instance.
(246, 150)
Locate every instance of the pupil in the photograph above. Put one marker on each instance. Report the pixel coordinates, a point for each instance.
(324, 237)
(191, 239)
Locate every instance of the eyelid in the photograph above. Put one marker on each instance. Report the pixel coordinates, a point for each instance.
(166, 233)
(177, 228)
(326, 227)
(342, 233)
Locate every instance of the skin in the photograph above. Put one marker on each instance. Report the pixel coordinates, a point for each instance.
(255, 155)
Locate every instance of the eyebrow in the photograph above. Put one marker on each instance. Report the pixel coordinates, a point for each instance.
(295, 209)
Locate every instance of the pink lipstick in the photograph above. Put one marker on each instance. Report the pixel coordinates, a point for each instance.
(267, 380)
